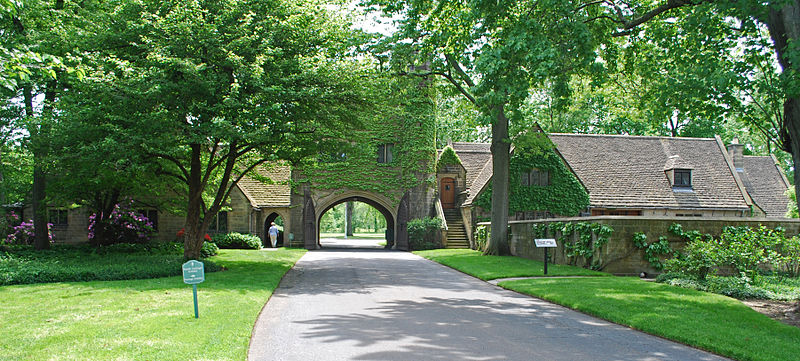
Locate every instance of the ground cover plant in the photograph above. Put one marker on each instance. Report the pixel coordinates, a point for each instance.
(708, 321)
(143, 319)
(62, 263)
(493, 267)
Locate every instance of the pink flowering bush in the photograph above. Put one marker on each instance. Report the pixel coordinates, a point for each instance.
(24, 234)
(122, 226)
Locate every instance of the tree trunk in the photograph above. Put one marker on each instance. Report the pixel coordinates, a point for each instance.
(41, 233)
(3, 197)
(348, 219)
(193, 234)
(784, 29)
(498, 241)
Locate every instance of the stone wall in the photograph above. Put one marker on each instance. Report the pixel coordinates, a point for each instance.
(620, 256)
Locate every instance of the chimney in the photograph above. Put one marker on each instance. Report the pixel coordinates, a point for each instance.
(735, 151)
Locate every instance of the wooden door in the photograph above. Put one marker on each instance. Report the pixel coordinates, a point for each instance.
(448, 192)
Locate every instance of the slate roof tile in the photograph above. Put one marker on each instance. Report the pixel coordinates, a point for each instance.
(766, 184)
(629, 171)
(272, 190)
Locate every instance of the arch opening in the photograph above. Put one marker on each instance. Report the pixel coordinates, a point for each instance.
(372, 224)
(276, 218)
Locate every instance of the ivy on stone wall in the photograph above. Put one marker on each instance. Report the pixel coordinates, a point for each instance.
(652, 251)
(563, 196)
(581, 240)
(402, 117)
(448, 157)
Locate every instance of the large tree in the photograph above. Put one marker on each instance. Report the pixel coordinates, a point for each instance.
(493, 53)
(760, 25)
(215, 89)
(38, 46)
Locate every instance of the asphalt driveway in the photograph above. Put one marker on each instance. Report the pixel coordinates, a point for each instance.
(351, 304)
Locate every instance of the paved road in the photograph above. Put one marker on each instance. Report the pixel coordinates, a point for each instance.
(351, 304)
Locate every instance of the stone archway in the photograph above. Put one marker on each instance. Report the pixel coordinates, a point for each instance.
(379, 202)
(268, 221)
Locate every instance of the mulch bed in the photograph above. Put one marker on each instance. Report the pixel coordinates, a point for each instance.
(787, 312)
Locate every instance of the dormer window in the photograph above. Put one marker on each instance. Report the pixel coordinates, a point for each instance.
(535, 177)
(682, 178)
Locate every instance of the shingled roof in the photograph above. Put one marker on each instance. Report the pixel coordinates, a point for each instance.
(272, 190)
(629, 171)
(474, 157)
(766, 184)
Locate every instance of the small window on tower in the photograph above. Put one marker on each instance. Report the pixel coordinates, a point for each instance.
(385, 153)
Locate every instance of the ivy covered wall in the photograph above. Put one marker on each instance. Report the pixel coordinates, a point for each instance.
(403, 119)
(563, 196)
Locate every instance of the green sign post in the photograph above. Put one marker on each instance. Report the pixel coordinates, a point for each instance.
(193, 273)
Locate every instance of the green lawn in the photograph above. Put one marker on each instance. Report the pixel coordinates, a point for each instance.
(494, 267)
(709, 321)
(705, 320)
(357, 235)
(143, 319)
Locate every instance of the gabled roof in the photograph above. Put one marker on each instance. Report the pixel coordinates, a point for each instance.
(474, 157)
(629, 171)
(766, 184)
(269, 188)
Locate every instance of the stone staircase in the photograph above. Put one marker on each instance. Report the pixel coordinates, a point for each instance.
(456, 234)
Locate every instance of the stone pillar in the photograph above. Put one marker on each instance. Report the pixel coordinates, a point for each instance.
(401, 236)
(309, 222)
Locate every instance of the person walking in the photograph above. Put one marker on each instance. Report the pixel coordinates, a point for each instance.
(273, 234)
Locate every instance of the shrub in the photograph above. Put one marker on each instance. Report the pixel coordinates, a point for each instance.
(787, 260)
(122, 226)
(423, 233)
(481, 237)
(24, 234)
(237, 241)
(209, 249)
(743, 249)
(697, 259)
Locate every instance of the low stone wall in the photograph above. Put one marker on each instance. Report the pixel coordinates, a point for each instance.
(619, 255)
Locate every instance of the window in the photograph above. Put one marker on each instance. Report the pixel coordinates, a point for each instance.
(683, 178)
(385, 153)
(332, 157)
(535, 177)
(58, 217)
(152, 216)
(220, 223)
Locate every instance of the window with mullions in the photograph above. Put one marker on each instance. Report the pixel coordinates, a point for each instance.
(683, 178)
(220, 223)
(385, 153)
(58, 217)
(535, 177)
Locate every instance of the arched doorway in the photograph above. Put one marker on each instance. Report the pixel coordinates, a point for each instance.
(279, 221)
(388, 234)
